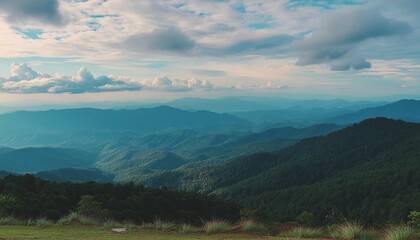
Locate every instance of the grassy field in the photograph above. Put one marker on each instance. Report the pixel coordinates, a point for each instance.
(95, 233)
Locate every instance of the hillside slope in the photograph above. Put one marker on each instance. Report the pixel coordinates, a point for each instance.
(355, 172)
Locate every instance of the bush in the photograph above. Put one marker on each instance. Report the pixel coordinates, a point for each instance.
(251, 226)
(216, 227)
(306, 219)
(414, 219)
(399, 233)
(305, 232)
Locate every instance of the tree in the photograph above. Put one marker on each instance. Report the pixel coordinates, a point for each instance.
(89, 207)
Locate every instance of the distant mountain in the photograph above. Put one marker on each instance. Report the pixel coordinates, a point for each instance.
(95, 126)
(75, 175)
(408, 110)
(369, 172)
(252, 103)
(45, 158)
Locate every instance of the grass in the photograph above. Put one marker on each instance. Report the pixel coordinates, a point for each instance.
(251, 226)
(186, 228)
(77, 218)
(43, 222)
(305, 232)
(399, 233)
(12, 221)
(70, 232)
(349, 231)
(216, 227)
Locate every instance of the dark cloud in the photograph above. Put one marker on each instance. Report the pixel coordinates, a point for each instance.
(160, 40)
(24, 11)
(335, 41)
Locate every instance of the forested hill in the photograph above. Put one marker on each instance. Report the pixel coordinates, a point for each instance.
(369, 171)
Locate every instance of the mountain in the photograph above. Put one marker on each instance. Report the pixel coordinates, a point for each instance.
(75, 175)
(95, 126)
(252, 103)
(408, 110)
(368, 172)
(45, 158)
(133, 158)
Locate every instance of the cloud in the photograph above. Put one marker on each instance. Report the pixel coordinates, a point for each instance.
(163, 83)
(259, 44)
(25, 80)
(341, 32)
(161, 40)
(26, 11)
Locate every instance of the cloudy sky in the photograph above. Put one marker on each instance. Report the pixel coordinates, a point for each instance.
(94, 50)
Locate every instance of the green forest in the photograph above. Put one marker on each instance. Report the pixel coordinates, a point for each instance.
(28, 197)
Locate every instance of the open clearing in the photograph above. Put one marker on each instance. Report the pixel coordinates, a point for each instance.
(95, 233)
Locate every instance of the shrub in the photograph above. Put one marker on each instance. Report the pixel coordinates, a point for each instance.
(162, 225)
(248, 213)
(399, 233)
(306, 219)
(414, 219)
(216, 227)
(251, 226)
(305, 232)
(111, 223)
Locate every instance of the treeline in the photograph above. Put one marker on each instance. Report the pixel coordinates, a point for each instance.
(30, 197)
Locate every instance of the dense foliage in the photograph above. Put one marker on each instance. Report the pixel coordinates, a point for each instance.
(368, 172)
(29, 197)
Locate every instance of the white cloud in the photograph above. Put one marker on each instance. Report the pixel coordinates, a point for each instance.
(24, 79)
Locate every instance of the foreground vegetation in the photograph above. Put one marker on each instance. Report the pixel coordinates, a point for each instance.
(28, 197)
(76, 226)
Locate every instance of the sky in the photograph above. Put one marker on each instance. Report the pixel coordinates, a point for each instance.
(57, 51)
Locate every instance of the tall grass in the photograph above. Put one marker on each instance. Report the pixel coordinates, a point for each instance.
(186, 228)
(213, 227)
(348, 230)
(10, 220)
(305, 232)
(77, 218)
(252, 226)
(399, 233)
(43, 222)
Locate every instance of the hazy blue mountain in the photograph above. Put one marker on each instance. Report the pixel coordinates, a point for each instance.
(95, 126)
(252, 103)
(45, 158)
(75, 175)
(221, 105)
(408, 110)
